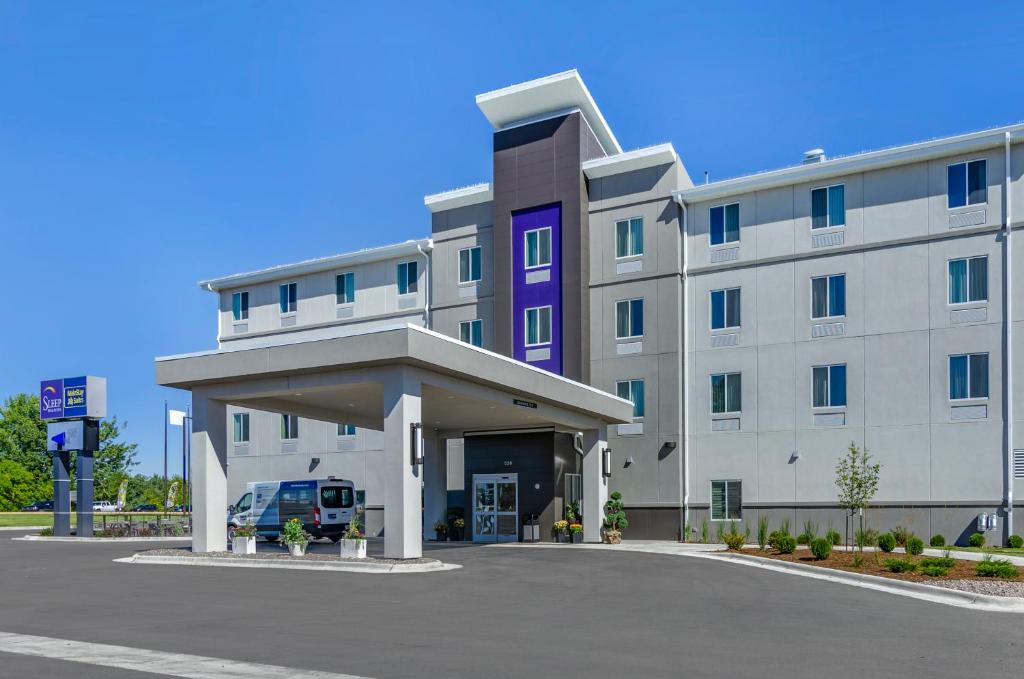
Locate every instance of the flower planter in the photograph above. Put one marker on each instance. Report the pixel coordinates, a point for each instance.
(296, 549)
(612, 537)
(243, 545)
(561, 537)
(577, 538)
(353, 549)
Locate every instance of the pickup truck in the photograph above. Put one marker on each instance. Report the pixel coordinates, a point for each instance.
(104, 506)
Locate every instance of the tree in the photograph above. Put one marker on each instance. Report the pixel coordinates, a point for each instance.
(857, 480)
(19, 486)
(23, 435)
(114, 460)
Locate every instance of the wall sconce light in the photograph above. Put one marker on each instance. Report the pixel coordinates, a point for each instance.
(415, 443)
(629, 461)
(606, 462)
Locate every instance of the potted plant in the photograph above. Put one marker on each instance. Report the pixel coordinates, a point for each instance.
(244, 539)
(353, 543)
(561, 531)
(460, 526)
(576, 532)
(294, 536)
(614, 519)
(441, 528)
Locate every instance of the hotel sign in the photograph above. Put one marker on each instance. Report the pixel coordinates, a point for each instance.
(73, 397)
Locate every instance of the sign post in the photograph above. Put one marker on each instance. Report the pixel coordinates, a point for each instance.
(72, 408)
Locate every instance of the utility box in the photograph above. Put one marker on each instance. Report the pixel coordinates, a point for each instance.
(531, 528)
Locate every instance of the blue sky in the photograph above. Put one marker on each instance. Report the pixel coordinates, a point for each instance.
(145, 146)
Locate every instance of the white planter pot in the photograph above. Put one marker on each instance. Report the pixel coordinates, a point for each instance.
(297, 550)
(353, 549)
(242, 545)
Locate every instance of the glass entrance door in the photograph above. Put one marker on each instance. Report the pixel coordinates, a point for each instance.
(495, 507)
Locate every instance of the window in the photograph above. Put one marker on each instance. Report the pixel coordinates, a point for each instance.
(240, 306)
(472, 332)
(407, 278)
(828, 206)
(345, 288)
(829, 386)
(469, 265)
(241, 429)
(244, 504)
(966, 183)
(346, 430)
(633, 391)
(968, 376)
(538, 247)
(629, 237)
(725, 224)
(828, 296)
(725, 308)
(968, 280)
(538, 326)
(336, 497)
(289, 427)
(726, 501)
(288, 295)
(629, 318)
(726, 393)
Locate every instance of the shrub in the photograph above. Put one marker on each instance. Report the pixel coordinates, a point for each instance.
(615, 513)
(773, 538)
(732, 538)
(933, 571)
(867, 538)
(940, 561)
(786, 544)
(938, 540)
(977, 540)
(804, 539)
(705, 532)
(997, 568)
(1015, 541)
(833, 536)
(762, 531)
(810, 531)
(886, 542)
(900, 565)
(821, 548)
(915, 545)
(858, 561)
(900, 534)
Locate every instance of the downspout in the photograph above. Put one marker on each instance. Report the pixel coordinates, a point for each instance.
(1008, 341)
(684, 376)
(426, 281)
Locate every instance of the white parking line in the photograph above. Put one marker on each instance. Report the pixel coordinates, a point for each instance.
(153, 662)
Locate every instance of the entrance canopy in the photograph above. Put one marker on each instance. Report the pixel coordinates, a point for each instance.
(385, 379)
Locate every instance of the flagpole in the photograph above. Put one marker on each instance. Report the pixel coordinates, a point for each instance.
(165, 456)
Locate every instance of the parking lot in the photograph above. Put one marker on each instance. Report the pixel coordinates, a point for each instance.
(511, 611)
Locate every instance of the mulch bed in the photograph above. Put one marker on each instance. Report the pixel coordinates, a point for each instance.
(843, 561)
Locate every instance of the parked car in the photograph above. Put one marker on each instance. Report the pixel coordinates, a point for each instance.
(181, 508)
(39, 506)
(145, 508)
(104, 506)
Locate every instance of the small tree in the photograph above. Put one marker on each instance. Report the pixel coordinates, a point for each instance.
(614, 518)
(857, 480)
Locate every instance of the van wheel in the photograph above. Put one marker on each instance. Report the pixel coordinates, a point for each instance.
(335, 539)
(270, 538)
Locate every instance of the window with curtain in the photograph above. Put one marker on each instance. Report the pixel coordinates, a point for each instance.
(538, 326)
(632, 391)
(726, 393)
(629, 237)
(288, 297)
(829, 386)
(241, 428)
(240, 306)
(726, 501)
(289, 427)
(725, 308)
(968, 376)
(968, 280)
(408, 278)
(538, 247)
(346, 430)
(828, 206)
(967, 183)
(469, 265)
(828, 296)
(725, 224)
(471, 332)
(629, 318)
(345, 288)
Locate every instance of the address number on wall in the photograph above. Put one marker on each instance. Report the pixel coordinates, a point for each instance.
(508, 463)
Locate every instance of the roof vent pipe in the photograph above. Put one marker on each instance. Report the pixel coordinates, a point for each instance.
(814, 156)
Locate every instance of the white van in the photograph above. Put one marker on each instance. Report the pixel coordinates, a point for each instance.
(325, 507)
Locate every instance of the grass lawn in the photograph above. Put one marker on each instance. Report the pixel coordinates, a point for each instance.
(16, 519)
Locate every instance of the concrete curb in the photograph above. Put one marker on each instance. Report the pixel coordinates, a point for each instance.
(96, 541)
(335, 566)
(940, 595)
(24, 527)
